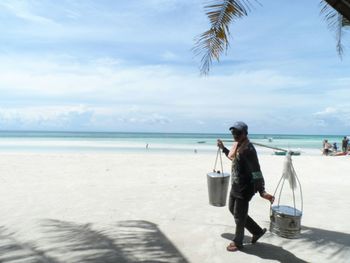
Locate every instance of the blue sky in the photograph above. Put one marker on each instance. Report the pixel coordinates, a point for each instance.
(115, 65)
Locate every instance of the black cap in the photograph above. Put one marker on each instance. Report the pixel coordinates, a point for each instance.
(239, 125)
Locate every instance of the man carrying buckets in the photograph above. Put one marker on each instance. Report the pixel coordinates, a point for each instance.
(246, 179)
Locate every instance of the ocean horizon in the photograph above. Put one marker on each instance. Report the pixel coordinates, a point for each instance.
(86, 141)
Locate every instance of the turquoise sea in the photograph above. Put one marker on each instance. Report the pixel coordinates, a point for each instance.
(40, 141)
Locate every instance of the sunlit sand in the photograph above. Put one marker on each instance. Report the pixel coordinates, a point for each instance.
(136, 207)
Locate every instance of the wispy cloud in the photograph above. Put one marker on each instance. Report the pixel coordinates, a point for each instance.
(79, 117)
(47, 117)
(338, 116)
(110, 79)
(22, 9)
(126, 65)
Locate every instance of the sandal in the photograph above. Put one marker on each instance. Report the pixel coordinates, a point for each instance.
(232, 247)
(255, 238)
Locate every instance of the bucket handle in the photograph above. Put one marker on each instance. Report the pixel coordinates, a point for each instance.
(282, 180)
(216, 161)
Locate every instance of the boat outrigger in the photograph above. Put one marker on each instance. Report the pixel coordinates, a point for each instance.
(283, 153)
(277, 151)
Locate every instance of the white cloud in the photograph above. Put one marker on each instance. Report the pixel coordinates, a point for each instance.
(153, 118)
(334, 116)
(103, 55)
(161, 5)
(59, 117)
(118, 94)
(22, 10)
(79, 117)
(327, 111)
(169, 56)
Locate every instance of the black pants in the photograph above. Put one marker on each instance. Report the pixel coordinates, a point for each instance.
(239, 209)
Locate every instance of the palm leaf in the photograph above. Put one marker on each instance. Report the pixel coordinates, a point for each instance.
(341, 6)
(213, 42)
(336, 22)
(345, 22)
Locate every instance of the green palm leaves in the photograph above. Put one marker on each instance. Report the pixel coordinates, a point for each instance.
(221, 13)
(211, 44)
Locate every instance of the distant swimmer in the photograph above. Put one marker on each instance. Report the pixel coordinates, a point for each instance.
(147, 146)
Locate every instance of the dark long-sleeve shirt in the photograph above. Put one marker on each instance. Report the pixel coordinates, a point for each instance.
(247, 178)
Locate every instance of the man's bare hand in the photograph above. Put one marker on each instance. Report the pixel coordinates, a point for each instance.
(268, 197)
(220, 144)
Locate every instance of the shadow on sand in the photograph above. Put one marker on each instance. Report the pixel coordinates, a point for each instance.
(13, 250)
(324, 239)
(62, 241)
(267, 251)
(319, 238)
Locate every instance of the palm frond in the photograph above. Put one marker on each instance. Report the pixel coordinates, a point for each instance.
(336, 22)
(341, 6)
(345, 22)
(213, 42)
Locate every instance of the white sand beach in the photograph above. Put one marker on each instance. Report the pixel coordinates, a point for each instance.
(153, 207)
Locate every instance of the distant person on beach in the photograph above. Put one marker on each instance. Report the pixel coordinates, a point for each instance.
(335, 147)
(326, 147)
(246, 179)
(344, 144)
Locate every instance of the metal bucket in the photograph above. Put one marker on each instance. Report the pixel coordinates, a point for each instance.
(217, 188)
(285, 221)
